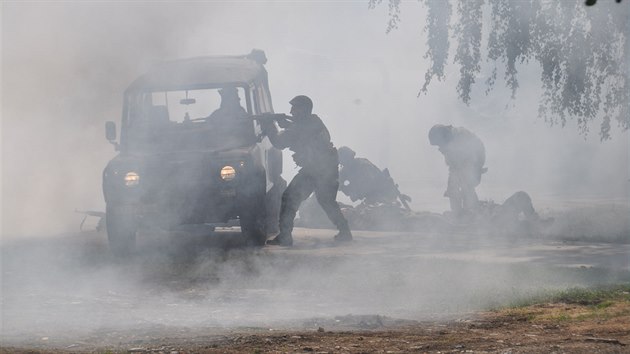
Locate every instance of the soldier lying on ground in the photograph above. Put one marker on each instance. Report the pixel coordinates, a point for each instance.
(374, 217)
(515, 215)
(361, 180)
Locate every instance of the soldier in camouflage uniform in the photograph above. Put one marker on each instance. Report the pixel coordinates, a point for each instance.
(465, 156)
(306, 135)
(516, 215)
(360, 179)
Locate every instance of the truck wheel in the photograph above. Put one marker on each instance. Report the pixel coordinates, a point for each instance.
(253, 211)
(121, 231)
(253, 223)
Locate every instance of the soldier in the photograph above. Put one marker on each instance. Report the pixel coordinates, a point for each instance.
(230, 107)
(360, 179)
(306, 135)
(465, 156)
(515, 215)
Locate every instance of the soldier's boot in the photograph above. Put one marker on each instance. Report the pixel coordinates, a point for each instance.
(282, 239)
(344, 235)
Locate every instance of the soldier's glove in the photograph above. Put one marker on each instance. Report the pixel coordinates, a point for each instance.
(283, 120)
(267, 119)
(266, 123)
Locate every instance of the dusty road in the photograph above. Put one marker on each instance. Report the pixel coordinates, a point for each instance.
(67, 292)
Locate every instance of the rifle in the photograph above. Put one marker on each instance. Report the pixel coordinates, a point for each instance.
(404, 199)
(266, 119)
(99, 214)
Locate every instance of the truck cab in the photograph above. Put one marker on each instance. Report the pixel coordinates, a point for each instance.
(192, 153)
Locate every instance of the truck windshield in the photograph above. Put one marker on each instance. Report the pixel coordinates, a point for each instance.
(181, 120)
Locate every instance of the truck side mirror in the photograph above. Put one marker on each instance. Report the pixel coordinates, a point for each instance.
(110, 131)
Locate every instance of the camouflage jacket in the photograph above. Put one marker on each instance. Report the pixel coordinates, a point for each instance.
(309, 139)
(361, 179)
(465, 152)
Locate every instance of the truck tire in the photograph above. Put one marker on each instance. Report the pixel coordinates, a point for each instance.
(253, 213)
(122, 226)
(253, 226)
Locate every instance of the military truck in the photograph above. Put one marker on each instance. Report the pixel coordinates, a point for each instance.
(179, 164)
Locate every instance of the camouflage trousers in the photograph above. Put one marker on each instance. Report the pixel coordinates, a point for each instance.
(324, 186)
(461, 190)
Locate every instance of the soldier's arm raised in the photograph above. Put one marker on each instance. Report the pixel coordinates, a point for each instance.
(284, 121)
(280, 140)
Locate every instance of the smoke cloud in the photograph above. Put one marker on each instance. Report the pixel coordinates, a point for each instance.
(65, 66)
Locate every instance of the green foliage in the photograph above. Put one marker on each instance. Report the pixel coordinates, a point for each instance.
(562, 317)
(604, 304)
(582, 51)
(394, 12)
(598, 297)
(468, 36)
(439, 14)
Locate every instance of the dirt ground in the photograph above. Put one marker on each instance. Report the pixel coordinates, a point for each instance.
(543, 328)
(382, 293)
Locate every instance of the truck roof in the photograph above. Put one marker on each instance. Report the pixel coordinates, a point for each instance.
(201, 72)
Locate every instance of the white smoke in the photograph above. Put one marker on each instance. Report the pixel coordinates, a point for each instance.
(65, 66)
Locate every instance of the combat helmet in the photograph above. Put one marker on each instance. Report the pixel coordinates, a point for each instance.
(440, 134)
(302, 102)
(346, 154)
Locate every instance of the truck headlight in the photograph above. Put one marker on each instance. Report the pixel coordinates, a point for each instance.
(132, 179)
(228, 173)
